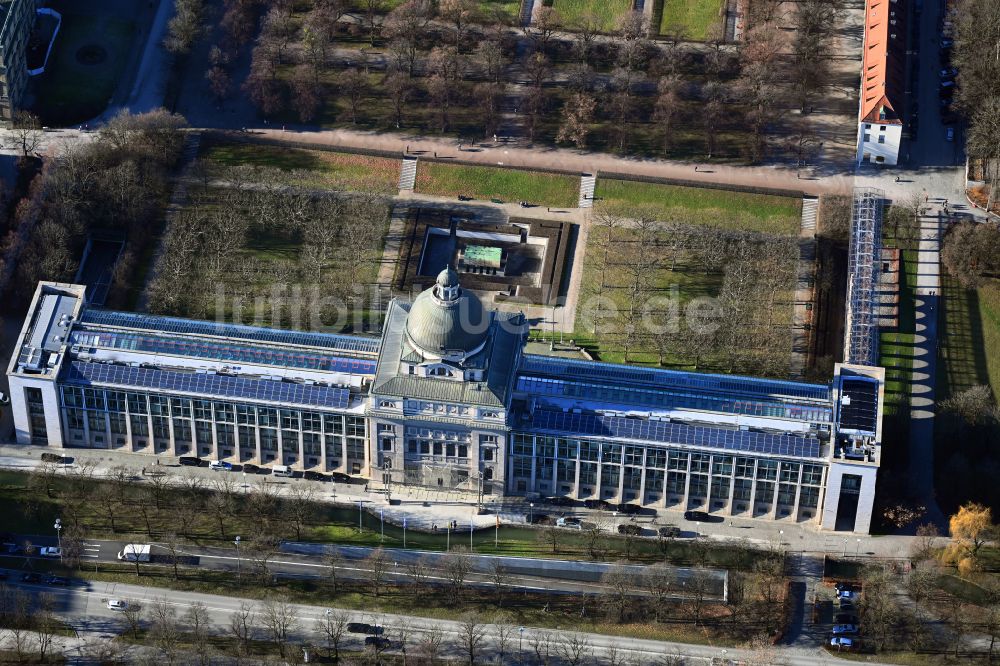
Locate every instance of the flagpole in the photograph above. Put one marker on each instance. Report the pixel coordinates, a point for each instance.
(496, 535)
(404, 532)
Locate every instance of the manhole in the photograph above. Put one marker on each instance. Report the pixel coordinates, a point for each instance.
(92, 54)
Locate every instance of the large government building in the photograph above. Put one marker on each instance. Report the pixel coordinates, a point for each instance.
(447, 398)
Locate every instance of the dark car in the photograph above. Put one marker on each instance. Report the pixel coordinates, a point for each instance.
(629, 509)
(359, 628)
(189, 460)
(629, 529)
(597, 504)
(559, 501)
(539, 518)
(669, 531)
(51, 458)
(340, 477)
(850, 587)
(31, 577)
(249, 468)
(57, 580)
(377, 641)
(702, 517)
(315, 476)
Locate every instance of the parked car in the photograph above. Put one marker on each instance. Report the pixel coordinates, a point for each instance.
(559, 501)
(340, 477)
(4, 398)
(315, 476)
(119, 605)
(949, 134)
(220, 466)
(669, 531)
(701, 516)
(847, 595)
(250, 469)
(597, 504)
(31, 577)
(52, 458)
(948, 73)
(364, 628)
(841, 586)
(536, 518)
(629, 529)
(189, 460)
(629, 509)
(57, 580)
(379, 642)
(50, 551)
(842, 642)
(842, 629)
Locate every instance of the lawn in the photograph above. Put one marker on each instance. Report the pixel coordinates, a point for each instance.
(542, 189)
(763, 213)
(508, 7)
(317, 168)
(70, 91)
(694, 17)
(896, 348)
(970, 337)
(607, 12)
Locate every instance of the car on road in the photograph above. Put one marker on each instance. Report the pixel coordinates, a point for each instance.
(57, 580)
(629, 509)
(52, 458)
(50, 551)
(379, 642)
(629, 529)
(947, 43)
(190, 461)
(948, 73)
(701, 516)
(340, 477)
(842, 629)
(364, 628)
(559, 501)
(31, 577)
(4, 398)
(220, 466)
(570, 522)
(669, 531)
(597, 504)
(842, 642)
(250, 469)
(314, 476)
(119, 605)
(949, 134)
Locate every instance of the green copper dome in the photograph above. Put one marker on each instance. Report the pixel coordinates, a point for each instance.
(445, 318)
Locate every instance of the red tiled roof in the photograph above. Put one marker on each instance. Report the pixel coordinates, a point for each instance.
(881, 69)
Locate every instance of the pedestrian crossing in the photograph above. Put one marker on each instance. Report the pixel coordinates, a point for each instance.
(810, 208)
(408, 174)
(588, 182)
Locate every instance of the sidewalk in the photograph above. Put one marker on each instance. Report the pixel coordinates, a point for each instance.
(513, 154)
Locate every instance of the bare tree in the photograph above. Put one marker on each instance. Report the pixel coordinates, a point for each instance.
(307, 93)
(472, 633)
(196, 623)
(261, 549)
(354, 84)
(578, 117)
(132, 616)
(503, 634)
(431, 646)
(399, 86)
(574, 649)
(542, 644)
(279, 619)
(163, 628)
(619, 589)
(332, 625)
(301, 504)
(241, 624)
(456, 566)
(26, 133)
(418, 573)
(333, 559)
(378, 565)
(500, 578)
(184, 26)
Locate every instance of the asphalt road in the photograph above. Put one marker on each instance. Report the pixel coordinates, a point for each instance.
(306, 561)
(86, 609)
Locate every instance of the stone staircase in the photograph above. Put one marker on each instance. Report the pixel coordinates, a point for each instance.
(587, 183)
(408, 174)
(810, 206)
(527, 7)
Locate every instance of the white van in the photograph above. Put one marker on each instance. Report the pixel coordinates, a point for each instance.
(281, 470)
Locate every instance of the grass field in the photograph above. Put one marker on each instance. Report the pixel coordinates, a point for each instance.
(542, 189)
(694, 17)
(971, 337)
(762, 213)
(896, 348)
(70, 92)
(316, 168)
(607, 12)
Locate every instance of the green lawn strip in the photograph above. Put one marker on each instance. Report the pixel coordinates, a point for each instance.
(539, 188)
(724, 209)
(897, 348)
(889, 657)
(29, 511)
(70, 91)
(312, 167)
(989, 315)
(11, 657)
(694, 17)
(964, 589)
(430, 602)
(508, 7)
(607, 12)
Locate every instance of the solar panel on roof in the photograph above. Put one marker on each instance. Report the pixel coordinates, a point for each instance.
(226, 386)
(674, 433)
(559, 367)
(198, 327)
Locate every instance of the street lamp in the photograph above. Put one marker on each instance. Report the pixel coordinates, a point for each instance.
(531, 511)
(239, 577)
(520, 639)
(58, 528)
(857, 548)
(360, 506)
